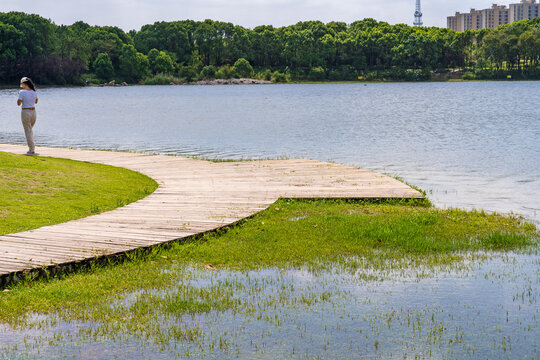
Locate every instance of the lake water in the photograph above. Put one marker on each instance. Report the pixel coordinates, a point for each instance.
(489, 311)
(469, 145)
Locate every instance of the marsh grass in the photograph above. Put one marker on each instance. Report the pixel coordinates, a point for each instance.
(162, 79)
(289, 260)
(360, 237)
(38, 191)
(296, 233)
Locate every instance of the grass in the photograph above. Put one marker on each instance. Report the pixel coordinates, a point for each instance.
(292, 234)
(319, 234)
(39, 191)
(167, 296)
(162, 79)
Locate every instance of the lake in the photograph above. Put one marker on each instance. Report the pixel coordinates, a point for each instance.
(488, 310)
(468, 144)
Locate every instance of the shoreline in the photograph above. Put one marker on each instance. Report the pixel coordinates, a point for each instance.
(246, 81)
(217, 207)
(502, 212)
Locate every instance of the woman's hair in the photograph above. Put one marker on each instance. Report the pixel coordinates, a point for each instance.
(29, 82)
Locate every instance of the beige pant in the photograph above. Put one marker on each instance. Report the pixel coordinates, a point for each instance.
(28, 118)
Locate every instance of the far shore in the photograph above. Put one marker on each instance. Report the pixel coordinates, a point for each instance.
(247, 81)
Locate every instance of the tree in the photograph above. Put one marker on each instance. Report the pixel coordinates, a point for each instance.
(152, 55)
(238, 46)
(243, 68)
(103, 67)
(205, 40)
(142, 67)
(492, 48)
(27, 40)
(133, 65)
(529, 46)
(31, 45)
(11, 46)
(209, 72)
(163, 64)
(173, 37)
(101, 41)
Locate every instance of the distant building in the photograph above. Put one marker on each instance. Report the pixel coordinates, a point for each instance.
(493, 17)
(525, 10)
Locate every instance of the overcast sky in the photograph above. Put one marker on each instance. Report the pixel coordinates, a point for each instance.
(132, 14)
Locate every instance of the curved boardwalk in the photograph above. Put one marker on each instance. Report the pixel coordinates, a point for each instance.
(194, 196)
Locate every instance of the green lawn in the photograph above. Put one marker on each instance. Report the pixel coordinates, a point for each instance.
(37, 191)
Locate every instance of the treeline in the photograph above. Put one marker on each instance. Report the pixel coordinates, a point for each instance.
(189, 50)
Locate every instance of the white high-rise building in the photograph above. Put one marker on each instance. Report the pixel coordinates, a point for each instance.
(494, 16)
(527, 9)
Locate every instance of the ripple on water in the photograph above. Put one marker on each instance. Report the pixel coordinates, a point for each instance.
(442, 137)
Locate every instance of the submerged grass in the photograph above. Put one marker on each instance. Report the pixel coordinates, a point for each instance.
(38, 191)
(229, 293)
(292, 234)
(172, 295)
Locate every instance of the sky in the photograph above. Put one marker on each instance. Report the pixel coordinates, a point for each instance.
(132, 14)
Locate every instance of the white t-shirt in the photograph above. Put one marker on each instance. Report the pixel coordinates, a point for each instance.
(28, 98)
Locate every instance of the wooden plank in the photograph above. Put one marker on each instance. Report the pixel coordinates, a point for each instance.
(193, 196)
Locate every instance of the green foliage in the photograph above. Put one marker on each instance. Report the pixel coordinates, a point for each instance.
(225, 72)
(317, 73)
(58, 190)
(101, 40)
(172, 37)
(469, 76)
(152, 55)
(209, 72)
(278, 77)
(162, 79)
(189, 73)
(91, 78)
(267, 75)
(243, 68)
(10, 43)
(31, 45)
(163, 64)
(103, 67)
(133, 65)
(37, 33)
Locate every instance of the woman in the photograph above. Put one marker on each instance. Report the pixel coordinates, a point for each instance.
(28, 99)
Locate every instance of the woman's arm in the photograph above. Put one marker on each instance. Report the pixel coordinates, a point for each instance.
(36, 100)
(19, 102)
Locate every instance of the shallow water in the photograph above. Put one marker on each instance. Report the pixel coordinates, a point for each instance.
(488, 312)
(470, 145)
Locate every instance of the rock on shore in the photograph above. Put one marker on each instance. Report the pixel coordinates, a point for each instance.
(113, 83)
(242, 81)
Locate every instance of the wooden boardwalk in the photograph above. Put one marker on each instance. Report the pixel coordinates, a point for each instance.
(194, 196)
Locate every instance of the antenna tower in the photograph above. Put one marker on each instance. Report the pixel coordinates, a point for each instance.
(418, 14)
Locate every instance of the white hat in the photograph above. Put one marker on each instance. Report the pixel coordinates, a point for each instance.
(24, 79)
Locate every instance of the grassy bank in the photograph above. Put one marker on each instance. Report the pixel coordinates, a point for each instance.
(39, 191)
(298, 258)
(357, 238)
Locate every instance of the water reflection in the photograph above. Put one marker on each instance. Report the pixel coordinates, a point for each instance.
(488, 312)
